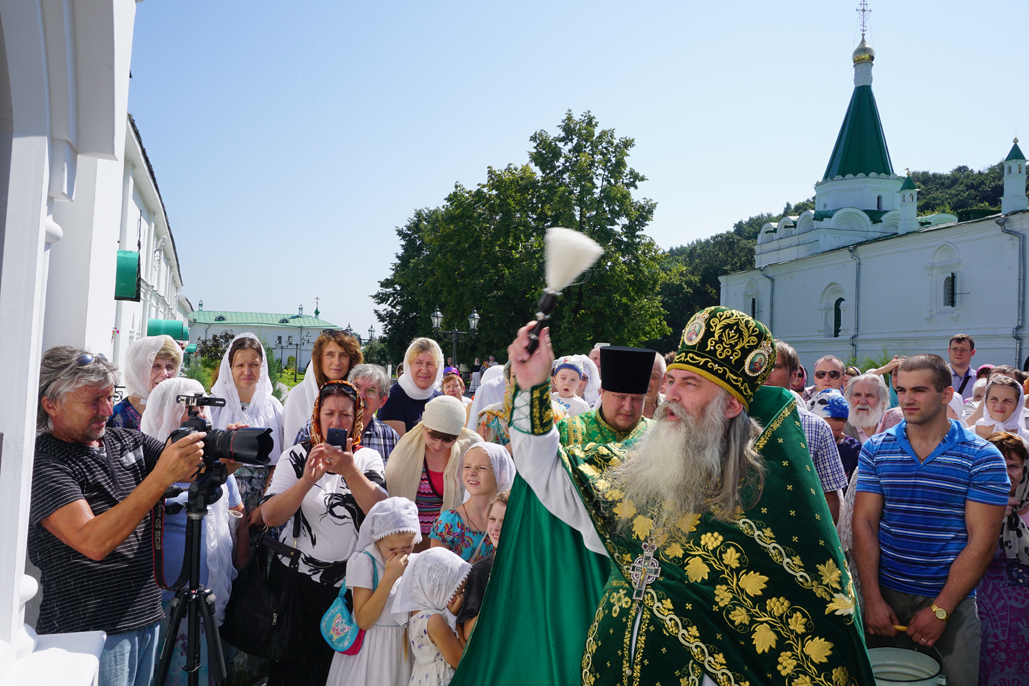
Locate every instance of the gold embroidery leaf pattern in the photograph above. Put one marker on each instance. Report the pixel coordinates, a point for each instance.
(641, 527)
(764, 638)
(773, 622)
(625, 509)
(689, 636)
(697, 570)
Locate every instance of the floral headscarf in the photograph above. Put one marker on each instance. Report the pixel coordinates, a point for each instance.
(349, 391)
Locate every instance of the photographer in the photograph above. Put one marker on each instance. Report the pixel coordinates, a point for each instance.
(218, 562)
(92, 491)
(330, 488)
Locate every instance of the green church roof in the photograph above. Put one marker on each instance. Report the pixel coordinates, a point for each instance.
(245, 319)
(908, 185)
(1015, 154)
(861, 145)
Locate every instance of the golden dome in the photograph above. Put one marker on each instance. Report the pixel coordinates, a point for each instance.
(863, 52)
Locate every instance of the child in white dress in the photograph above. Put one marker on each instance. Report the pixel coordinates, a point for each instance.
(432, 589)
(568, 375)
(385, 541)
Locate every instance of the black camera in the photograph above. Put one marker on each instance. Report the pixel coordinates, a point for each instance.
(251, 446)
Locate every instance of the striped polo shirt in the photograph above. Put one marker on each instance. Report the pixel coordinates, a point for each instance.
(922, 527)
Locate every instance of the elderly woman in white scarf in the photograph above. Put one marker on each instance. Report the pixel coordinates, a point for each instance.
(425, 467)
(1002, 408)
(148, 362)
(419, 383)
(244, 384)
(334, 356)
(218, 562)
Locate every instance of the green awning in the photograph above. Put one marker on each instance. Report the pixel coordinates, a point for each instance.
(126, 279)
(168, 327)
(191, 348)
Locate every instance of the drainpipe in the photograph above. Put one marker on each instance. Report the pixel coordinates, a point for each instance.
(771, 300)
(1017, 331)
(857, 299)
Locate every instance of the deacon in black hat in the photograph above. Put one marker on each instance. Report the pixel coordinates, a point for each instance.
(623, 386)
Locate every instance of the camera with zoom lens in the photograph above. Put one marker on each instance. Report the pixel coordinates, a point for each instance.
(252, 445)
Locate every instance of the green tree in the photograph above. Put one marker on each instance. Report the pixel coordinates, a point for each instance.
(483, 250)
(211, 350)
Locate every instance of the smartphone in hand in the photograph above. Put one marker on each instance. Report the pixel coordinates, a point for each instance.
(337, 437)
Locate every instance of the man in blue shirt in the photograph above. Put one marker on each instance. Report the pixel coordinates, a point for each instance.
(927, 516)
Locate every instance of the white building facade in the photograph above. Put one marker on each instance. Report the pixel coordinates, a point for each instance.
(64, 146)
(862, 274)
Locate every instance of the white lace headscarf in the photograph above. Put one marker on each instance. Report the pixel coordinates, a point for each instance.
(429, 583)
(299, 405)
(406, 380)
(388, 517)
(489, 392)
(591, 394)
(163, 415)
(503, 466)
(1013, 424)
(139, 361)
(264, 409)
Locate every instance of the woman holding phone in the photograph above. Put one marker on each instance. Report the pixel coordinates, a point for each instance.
(331, 488)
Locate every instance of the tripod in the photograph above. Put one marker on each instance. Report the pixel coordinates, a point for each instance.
(191, 598)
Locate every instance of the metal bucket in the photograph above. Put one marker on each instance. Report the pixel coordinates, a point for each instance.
(892, 666)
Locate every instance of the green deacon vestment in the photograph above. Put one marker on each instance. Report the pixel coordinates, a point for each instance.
(763, 599)
(590, 427)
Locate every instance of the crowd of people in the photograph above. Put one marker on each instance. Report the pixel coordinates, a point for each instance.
(677, 475)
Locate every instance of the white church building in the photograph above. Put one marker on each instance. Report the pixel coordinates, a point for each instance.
(862, 273)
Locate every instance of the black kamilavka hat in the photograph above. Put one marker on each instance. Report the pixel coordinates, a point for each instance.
(626, 370)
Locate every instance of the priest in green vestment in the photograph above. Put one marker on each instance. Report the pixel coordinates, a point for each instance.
(725, 565)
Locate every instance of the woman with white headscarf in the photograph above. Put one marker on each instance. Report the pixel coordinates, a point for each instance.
(1002, 408)
(243, 382)
(487, 469)
(218, 561)
(148, 362)
(425, 465)
(419, 383)
(334, 355)
(591, 375)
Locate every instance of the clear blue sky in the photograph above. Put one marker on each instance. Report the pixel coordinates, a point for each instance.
(290, 139)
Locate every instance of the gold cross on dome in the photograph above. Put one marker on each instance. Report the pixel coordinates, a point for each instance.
(864, 12)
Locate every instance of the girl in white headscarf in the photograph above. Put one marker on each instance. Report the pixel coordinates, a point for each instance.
(148, 362)
(244, 384)
(432, 588)
(591, 375)
(1002, 408)
(218, 562)
(419, 383)
(487, 469)
(333, 356)
(385, 542)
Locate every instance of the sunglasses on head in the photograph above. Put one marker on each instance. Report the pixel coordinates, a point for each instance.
(89, 358)
(832, 375)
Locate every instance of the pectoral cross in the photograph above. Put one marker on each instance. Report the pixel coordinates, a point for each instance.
(644, 571)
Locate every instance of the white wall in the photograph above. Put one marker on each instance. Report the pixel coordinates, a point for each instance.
(901, 294)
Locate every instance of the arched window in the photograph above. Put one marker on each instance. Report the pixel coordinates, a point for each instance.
(753, 308)
(837, 313)
(879, 203)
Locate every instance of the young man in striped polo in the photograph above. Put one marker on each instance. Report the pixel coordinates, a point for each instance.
(930, 500)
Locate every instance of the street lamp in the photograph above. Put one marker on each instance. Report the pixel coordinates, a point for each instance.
(371, 333)
(455, 335)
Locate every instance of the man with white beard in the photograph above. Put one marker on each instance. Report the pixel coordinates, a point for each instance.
(725, 567)
(868, 398)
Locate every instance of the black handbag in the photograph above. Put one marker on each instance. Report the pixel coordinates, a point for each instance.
(262, 618)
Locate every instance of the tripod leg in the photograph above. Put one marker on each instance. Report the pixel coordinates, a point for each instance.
(178, 607)
(215, 655)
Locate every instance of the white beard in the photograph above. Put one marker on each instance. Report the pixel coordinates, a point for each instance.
(867, 421)
(673, 466)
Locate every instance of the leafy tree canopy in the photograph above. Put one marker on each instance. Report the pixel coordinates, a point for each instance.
(483, 250)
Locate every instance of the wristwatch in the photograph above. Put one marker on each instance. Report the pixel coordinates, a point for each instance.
(939, 612)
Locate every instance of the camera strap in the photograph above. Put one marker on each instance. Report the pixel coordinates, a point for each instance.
(157, 545)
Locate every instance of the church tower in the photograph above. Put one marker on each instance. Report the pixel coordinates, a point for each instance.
(908, 206)
(859, 174)
(1014, 182)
